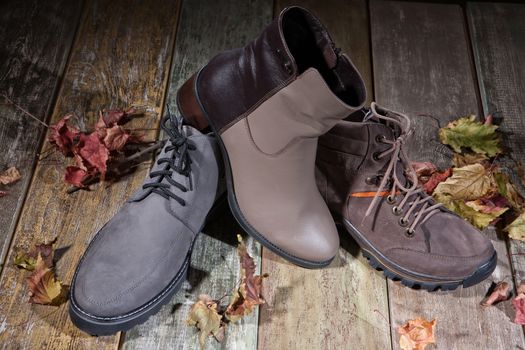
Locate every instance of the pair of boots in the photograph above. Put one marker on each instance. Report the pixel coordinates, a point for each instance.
(298, 147)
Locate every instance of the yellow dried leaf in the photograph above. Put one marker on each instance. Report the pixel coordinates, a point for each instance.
(205, 317)
(516, 229)
(460, 160)
(467, 183)
(9, 176)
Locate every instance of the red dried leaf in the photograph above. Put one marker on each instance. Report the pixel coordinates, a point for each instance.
(76, 176)
(3, 193)
(519, 305)
(501, 292)
(113, 117)
(63, 136)
(93, 152)
(116, 138)
(490, 205)
(435, 179)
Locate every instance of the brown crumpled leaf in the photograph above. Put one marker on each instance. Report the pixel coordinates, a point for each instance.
(248, 295)
(460, 160)
(519, 304)
(501, 292)
(206, 318)
(27, 260)
(63, 136)
(416, 334)
(44, 288)
(9, 176)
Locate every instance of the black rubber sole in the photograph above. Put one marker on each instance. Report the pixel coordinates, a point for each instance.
(412, 279)
(234, 206)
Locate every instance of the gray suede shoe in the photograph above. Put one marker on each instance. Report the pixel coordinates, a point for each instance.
(139, 259)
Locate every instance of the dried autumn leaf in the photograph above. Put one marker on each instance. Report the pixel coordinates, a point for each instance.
(469, 133)
(509, 191)
(416, 334)
(63, 136)
(94, 152)
(117, 116)
(44, 288)
(519, 305)
(9, 176)
(460, 160)
(205, 317)
(28, 260)
(516, 229)
(76, 176)
(116, 138)
(467, 183)
(501, 292)
(435, 179)
(496, 205)
(477, 218)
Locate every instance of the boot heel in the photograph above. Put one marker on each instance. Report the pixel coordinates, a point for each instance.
(189, 107)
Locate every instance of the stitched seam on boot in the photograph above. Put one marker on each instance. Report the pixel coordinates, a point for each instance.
(449, 257)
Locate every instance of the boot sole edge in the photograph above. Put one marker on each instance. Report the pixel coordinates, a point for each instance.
(414, 280)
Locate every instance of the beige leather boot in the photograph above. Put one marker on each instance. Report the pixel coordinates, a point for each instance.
(268, 102)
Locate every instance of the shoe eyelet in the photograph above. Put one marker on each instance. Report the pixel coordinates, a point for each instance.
(380, 138)
(403, 222)
(409, 233)
(390, 199)
(375, 156)
(370, 181)
(396, 210)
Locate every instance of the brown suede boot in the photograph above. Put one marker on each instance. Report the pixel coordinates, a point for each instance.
(268, 102)
(366, 179)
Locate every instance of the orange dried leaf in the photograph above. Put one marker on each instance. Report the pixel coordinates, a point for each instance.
(44, 288)
(204, 315)
(417, 334)
(248, 295)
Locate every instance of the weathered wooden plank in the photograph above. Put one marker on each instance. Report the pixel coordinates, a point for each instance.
(120, 57)
(205, 29)
(35, 40)
(498, 41)
(423, 66)
(345, 303)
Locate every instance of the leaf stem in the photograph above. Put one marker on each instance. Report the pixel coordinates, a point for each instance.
(23, 110)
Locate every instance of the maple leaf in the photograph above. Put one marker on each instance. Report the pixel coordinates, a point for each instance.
(93, 152)
(477, 218)
(116, 138)
(435, 179)
(63, 136)
(467, 183)
(416, 334)
(44, 288)
(469, 133)
(248, 295)
(500, 292)
(204, 315)
(10, 176)
(516, 229)
(460, 160)
(27, 260)
(76, 176)
(509, 191)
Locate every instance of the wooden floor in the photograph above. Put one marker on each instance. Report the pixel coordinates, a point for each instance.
(59, 56)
